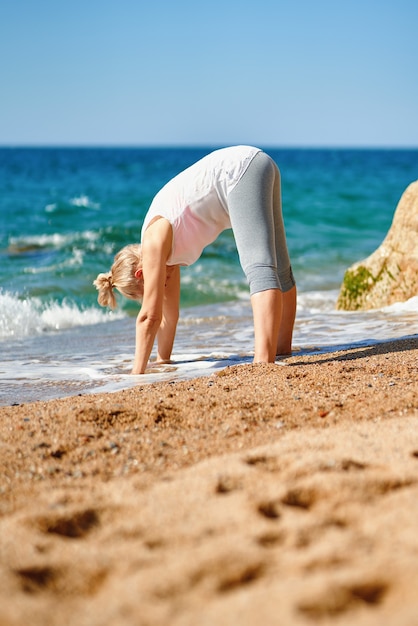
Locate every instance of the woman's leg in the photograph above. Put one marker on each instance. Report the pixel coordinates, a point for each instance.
(267, 315)
(274, 317)
(256, 219)
(287, 322)
(288, 305)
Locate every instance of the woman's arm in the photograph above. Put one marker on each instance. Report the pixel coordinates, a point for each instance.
(171, 304)
(156, 248)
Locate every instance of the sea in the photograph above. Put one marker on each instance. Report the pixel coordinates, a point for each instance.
(65, 212)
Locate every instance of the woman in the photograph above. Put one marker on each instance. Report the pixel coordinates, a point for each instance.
(238, 188)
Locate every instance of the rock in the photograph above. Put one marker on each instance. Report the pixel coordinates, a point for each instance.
(390, 274)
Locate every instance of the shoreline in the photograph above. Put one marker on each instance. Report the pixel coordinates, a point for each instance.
(85, 358)
(219, 499)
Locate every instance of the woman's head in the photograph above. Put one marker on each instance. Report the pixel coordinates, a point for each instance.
(123, 275)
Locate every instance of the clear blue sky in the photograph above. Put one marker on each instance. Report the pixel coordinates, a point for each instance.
(213, 72)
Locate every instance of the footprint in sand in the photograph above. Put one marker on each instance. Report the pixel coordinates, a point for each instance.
(342, 598)
(75, 525)
(36, 578)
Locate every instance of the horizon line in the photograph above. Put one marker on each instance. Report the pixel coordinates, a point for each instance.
(169, 145)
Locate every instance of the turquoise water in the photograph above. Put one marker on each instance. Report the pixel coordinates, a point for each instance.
(64, 213)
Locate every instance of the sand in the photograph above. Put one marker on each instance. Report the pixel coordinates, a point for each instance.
(263, 494)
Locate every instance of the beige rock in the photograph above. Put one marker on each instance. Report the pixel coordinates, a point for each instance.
(390, 274)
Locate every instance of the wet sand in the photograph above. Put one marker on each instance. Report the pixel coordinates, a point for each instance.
(263, 494)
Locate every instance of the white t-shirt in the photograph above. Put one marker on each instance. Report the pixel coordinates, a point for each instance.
(195, 201)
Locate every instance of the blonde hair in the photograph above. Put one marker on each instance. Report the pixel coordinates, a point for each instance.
(122, 276)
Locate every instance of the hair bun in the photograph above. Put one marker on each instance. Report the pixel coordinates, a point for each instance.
(104, 285)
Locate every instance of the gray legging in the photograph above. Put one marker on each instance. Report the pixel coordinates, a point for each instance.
(255, 211)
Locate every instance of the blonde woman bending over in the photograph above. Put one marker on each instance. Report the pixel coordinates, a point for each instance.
(238, 188)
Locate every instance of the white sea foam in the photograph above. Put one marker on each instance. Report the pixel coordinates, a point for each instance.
(84, 201)
(78, 201)
(320, 324)
(53, 240)
(25, 317)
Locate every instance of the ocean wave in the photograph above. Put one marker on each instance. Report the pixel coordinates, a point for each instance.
(410, 306)
(84, 201)
(313, 302)
(319, 323)
(29, 316)
(29, 243)
(81, 201)
(75, 260)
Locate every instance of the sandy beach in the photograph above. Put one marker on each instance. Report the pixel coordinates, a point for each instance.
(262, 494)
